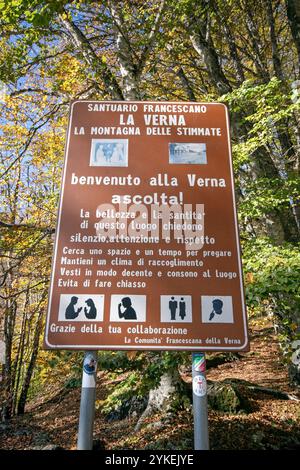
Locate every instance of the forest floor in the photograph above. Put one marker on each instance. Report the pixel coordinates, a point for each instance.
(272, 423)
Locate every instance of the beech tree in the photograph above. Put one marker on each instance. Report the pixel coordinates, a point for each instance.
(243, 53)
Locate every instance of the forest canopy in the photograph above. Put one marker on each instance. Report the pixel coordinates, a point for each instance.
(243, 53)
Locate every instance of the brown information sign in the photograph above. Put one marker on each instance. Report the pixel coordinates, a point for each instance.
(147, 249)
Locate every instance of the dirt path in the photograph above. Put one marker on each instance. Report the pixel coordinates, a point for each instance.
(272, 423)
(261, 365)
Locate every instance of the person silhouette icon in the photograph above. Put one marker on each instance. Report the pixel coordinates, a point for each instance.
(71, 313)
(90, 310)
(99, 155)
(182, 308)
(108, 150)
(129, 313)
(173, 304)
(217, 308)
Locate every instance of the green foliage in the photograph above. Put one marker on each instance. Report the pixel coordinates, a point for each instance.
(36, 12)
(59, 368)
(118, 361)
(38, 48)
(272, 276)
(263, 195)
(123, 391)
(139, 373)
(265, 110)
(73, 382)
(157, 364)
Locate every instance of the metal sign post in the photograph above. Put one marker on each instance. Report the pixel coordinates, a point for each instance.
(200, 402)
(87, 403)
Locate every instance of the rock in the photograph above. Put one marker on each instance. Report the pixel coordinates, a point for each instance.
(132, 407)
(168, 418)
(161, 397)
(137, 406)
(294, 374)
(98, 444)
(223, 397)
(229, 396)
(47, 447)
(23, 432)
(156, 425)
(258, 437)
(41, 439)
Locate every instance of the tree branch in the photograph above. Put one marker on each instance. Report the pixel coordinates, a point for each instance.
(32, 90)
(47, 230)
(131, 66)
(10, 296)
(99, 67)
(29, 140)
(151, 37)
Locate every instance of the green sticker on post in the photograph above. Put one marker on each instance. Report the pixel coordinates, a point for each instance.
(199, 363)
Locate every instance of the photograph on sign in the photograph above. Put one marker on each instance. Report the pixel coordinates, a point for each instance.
(109, 152)
(147, 252)
(187, 153)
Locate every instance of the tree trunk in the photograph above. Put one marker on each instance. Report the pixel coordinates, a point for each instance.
(259, 60)
(231, 44)
(31, 365)
(204, 47)
(293, 14)
(99, 67)
(160, 398)
(19, 361)
(10, 318)
(186, 84)
(131, 69)
(275, 225)
(131, 65)
(273, 37)
(128, 68)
